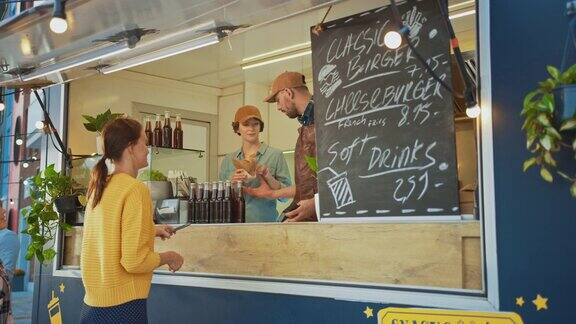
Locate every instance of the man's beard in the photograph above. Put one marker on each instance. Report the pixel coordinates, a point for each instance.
(292, 113)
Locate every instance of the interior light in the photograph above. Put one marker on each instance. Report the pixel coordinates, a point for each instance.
(164, 53)
(392, 39)
(58, 23)
(473, 111)
(39, 124)
(25, 165)
(2, 105)
(11, 201)
(97, 54)
(19, 142)
(277, 59)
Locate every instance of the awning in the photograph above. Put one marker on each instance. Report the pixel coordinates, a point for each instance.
(106, 35)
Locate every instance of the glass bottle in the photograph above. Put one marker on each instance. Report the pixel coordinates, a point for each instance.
(192, 202)
(227, 204)
(167, 131)
(148, 131)
(157, 140)
(214, 203)
(240, 204)
(178, 134)
(206, 203)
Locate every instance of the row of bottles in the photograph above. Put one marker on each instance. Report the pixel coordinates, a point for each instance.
(163, 136)
(216, 203)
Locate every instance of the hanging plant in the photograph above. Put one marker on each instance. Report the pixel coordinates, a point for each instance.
(550, 123)
(42, 218)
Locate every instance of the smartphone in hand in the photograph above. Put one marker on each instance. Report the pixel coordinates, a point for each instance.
(176, 229)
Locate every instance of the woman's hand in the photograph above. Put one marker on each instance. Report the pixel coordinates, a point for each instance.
(241, 175)
(164, 231)
(172, 259)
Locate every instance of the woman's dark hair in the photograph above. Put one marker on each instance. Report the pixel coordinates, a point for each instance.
(117, 135)
(236, 127)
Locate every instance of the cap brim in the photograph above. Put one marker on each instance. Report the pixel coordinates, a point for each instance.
(249, 117)
(271, 98)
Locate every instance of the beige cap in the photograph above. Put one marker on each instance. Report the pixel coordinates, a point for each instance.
(246, 112)
(284, 81)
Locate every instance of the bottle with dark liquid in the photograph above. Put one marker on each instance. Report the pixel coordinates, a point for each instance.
(206, 203)
(167, 131)
(239, 204)
(227, 204)
(214, 203)
(192, 202)
(178, 134)
(157, 139)
(148, 131)
(220, 215)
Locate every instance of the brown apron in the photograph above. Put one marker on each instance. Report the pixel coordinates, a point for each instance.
(305, 179)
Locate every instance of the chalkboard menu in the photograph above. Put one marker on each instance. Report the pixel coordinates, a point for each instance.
(384, 127)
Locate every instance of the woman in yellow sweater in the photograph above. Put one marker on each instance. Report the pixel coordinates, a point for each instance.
(118, 255)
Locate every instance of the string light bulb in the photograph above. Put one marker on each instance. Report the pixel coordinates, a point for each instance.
(473, 112)
(392, 39)
(2, 105)
(11, 201)
(39, 124)
(58, 23)
(19, 142)
(25, 165)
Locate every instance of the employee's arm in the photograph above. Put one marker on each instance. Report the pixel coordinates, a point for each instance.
(264, 191)
(281, 176)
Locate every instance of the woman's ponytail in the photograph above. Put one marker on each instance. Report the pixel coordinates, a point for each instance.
(98, 179)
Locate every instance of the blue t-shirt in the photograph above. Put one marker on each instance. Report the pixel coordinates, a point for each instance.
(9, 247)
(259, 209)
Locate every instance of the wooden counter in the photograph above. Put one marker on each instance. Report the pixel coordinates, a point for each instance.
(425, 254)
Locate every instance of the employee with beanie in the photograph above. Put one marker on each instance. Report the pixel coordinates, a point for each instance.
(254, 162)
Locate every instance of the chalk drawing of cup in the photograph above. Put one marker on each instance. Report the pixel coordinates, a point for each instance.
(340, 188)
(329, 80)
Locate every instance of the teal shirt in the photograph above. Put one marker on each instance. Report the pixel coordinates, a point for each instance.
(258, 209)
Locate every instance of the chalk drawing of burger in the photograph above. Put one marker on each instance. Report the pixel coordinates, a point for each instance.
(329, 80)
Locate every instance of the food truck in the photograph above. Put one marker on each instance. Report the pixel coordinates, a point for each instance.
(424, 213)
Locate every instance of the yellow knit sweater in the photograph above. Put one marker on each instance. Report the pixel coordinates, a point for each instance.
(118, 244)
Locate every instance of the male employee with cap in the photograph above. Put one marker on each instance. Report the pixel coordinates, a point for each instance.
(255, 159)
(292, 97)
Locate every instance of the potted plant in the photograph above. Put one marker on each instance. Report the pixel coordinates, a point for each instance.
(43, 218)
(96, 125)
(550, 121)
(17, 282)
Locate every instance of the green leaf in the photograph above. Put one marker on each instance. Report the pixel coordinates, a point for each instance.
(553, 132)
(545, 174)
(554, 73)
(30, 252)
(49, 254)
(573, 190)
(66, 227)
(312, 163)
(543, 119)
(530, 141)
(546, 142)
(549, 159)
(546, 104)
(528, 99)
(528, 163)
(90, 127)
(39, 255)
(568, 124)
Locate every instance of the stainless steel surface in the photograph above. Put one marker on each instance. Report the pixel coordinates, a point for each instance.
(159, 190)
(26, 41)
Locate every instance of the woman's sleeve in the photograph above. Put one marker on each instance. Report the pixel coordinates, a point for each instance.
(137, 231)
(282, 171)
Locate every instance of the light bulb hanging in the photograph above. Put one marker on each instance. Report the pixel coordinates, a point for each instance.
(58, 23)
